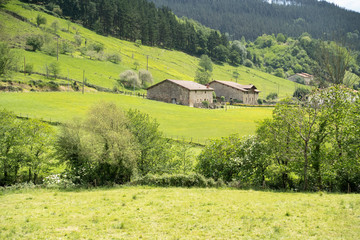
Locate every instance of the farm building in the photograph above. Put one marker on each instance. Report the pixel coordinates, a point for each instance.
(247, 94)
(303, 78)
(180, 92)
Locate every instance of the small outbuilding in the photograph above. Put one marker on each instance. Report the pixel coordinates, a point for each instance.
(180, 92)
(247, 94)
(303, 78)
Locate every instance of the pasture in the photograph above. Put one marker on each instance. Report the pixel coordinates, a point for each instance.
(177, 213)
(175, 121)
(162, 63)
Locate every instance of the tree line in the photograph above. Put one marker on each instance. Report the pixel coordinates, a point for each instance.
(138, 20)
(108, 146)
(313, 144)
(310, 144)
(253, 18)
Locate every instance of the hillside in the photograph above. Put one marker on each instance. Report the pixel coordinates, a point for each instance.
(162, 63)
(252, 18)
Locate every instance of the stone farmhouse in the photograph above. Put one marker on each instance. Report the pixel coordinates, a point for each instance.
(305, 76)
(180, 92)
(232, 91)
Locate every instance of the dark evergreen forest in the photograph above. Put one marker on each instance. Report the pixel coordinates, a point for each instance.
(252, 18)
(138, 20)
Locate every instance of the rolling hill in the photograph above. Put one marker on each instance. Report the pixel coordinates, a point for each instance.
(162, 63)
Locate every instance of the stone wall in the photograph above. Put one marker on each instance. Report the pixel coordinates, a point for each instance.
(200, 96)
(170, 93)
(249, 97)
(226, 91)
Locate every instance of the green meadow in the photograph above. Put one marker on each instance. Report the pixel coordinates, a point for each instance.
(177, 213)
(175, 121)
(162, 63)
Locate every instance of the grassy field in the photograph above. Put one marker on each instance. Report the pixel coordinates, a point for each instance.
(177, 213)
(175, 121)
(162, 63)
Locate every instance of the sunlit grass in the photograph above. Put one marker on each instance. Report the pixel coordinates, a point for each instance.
(162, 63)
(177, 213)
(175, 121)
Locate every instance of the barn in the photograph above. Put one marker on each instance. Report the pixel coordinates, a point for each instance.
(180, 92)
(247, 94)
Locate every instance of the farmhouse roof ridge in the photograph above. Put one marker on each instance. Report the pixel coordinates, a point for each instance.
(304, 75)
(238, 86)
(190, 85)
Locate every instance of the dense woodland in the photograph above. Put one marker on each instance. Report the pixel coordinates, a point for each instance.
(252, 18)
(138, 20)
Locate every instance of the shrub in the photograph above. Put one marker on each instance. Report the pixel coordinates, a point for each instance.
(29, 68)
(53, 86)
(40, 20)
(272, 96)
(177, 180)
(35, 42)
(138, 43)
(66, 47)
(300, 93)
(114, 58)
(205, 104)
(54, 69)
(129, 78)
(97, 47)
(50, 48)
(146, 78)
(78, 40)
(55, 26)
(260, 101)
(57, 181)
(248, 63)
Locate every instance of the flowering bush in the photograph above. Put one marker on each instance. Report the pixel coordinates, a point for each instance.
(58, 181)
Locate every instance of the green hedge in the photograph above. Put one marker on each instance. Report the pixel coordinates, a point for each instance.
(178, 180)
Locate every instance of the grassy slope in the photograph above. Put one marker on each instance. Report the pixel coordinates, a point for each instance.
(176, 213)
(175, 120)
(162, 63)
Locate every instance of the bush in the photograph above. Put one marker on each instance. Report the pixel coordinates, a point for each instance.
(54, 69)
(57, 181)
(50, 48)
(146, 78)
(177, 180)
(53, 86)
(138, 43)
(129, 78)
(97, 47)
(218, 159)
(35, 42)
(66, 47)
(40, 20)
(78, 40)
(248, 63)
(272, 96)
(260, 101)
(114, 58)
(300, 93)
(205, 104)
(29, 68)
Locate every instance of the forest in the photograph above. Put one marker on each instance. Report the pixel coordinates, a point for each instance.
(252, 18)
(138, 20)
